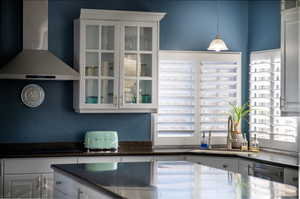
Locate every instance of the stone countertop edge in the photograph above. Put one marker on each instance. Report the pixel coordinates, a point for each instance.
(160, 152)
(85, 181)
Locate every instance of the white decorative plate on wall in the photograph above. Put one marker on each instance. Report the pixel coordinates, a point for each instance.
(32, 95)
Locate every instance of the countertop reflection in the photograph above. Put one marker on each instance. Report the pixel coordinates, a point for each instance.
(175, 179)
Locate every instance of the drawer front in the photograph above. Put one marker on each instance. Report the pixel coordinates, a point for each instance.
(95, 159)
(64, 186)
(245, 167)
(34, 165)
(291, 176)
(230, 164)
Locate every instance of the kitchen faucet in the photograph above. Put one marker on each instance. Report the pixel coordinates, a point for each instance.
(229, 133)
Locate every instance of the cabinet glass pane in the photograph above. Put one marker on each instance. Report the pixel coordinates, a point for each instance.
(146, 65)
(130, 38)
(146, 38)
(145, 92)
(91, 91)
(130, 64)
(92, 37)
(130, 91)
(91, 64)
(107, 64)
(107, 37)
(107, 91)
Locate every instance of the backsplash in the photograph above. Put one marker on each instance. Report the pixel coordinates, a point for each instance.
(188, 25)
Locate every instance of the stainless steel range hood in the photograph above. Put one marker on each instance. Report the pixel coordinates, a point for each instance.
(35, 61)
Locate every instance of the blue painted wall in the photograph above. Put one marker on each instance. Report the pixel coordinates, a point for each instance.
(264, 24)
(189, 25)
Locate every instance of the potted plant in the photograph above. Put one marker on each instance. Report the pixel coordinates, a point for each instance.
(236, 114)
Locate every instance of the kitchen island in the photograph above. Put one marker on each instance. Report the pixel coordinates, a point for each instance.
(161, 180)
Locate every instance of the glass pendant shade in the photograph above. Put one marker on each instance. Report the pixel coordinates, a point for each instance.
(217, 44)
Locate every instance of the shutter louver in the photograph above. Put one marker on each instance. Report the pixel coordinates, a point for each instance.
(218, 88)
(176, 116)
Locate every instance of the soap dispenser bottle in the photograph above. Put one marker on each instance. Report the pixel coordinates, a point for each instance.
(254, 145)
(204, 144)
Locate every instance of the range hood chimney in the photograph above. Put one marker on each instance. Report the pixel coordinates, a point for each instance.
(35, 62)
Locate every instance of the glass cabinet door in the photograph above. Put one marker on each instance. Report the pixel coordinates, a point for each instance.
(137, 65)
(100, 67)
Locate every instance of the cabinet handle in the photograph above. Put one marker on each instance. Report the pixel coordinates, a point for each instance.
(58, 182)
(45, 183)
(38, 184)
(249, 169)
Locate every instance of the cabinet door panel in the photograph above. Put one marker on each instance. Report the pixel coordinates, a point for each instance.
(22, 186)
(138, 66)
(100, 73)
(47, 186)
(34, 165)
(290, 103)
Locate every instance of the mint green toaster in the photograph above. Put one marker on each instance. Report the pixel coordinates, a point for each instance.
(101, 140)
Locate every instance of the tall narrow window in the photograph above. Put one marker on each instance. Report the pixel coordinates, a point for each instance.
(273, 130)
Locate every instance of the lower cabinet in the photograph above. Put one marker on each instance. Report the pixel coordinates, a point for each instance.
(68, 188)
(24, 180)
(291, 176)
(28, 186)
(226, 163)
(22, 186)
(245, 167)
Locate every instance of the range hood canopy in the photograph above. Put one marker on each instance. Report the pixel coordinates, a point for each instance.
(35, 62)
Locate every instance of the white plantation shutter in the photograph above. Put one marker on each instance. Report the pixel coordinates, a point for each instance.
(195, 89)
(273, 130)
(177, 99)
(219, 86)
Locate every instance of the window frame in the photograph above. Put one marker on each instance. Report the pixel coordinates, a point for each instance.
(271, 143)
(195, 57)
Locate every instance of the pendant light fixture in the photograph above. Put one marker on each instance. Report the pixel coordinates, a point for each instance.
(217, 44)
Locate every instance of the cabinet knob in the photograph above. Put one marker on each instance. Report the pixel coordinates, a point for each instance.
(225, 166)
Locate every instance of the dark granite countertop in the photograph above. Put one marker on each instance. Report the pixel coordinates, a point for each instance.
(265, 157)
(173, 179)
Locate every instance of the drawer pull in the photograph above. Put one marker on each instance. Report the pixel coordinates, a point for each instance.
(58, 182)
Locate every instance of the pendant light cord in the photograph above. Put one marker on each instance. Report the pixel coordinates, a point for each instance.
(218, 17)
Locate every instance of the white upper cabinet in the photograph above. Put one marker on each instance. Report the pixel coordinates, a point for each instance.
(290, 101)
(116, 53)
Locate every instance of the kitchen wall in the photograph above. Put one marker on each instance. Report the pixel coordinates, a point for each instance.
(264, 25)
(189, 25)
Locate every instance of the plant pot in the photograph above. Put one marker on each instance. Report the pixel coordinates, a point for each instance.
(237, 140)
